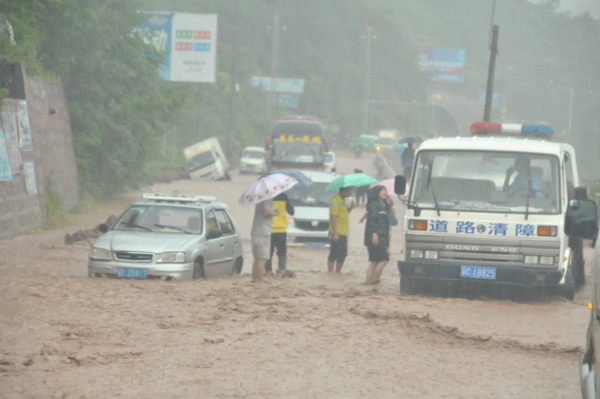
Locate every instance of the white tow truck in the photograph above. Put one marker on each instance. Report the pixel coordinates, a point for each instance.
(492, 209)
(206, 160)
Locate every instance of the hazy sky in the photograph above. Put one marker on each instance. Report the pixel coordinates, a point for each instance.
(579, 6)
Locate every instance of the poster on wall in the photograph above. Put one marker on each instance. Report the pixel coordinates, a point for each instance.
(12, 141)
(188, 43)
(5, 173)
(30, 183)
(23, 124)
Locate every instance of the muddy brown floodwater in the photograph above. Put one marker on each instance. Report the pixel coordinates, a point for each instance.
(64, 335)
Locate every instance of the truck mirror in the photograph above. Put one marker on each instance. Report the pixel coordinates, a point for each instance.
(581, 219)
(581, 193)
(400, 185)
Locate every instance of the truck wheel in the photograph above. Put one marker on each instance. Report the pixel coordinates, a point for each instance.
(568, 290)
(407, 286)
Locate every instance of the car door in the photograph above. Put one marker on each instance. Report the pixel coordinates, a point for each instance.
(216, 257)
(229, 240)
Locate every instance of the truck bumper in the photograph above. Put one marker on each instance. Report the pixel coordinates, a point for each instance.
(442, 271)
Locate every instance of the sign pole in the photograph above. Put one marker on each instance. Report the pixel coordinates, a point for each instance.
(492, 68)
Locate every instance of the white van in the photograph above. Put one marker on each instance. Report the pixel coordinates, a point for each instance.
(253, 160)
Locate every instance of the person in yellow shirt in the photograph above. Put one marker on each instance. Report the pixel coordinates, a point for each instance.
(279, 232)
(338, 229)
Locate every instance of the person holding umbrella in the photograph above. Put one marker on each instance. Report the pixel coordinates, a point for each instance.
(338, 216)
(377, 233)
(261, 194)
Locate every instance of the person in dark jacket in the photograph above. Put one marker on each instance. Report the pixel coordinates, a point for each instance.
(279, 232)
(377, 233)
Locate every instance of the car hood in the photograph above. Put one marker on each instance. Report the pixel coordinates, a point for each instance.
(143, 241)
(311, 213)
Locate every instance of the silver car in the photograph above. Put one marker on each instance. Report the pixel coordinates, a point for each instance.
(310, 224)
(172, 238)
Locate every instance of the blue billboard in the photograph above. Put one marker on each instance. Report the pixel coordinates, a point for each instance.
(443, 65)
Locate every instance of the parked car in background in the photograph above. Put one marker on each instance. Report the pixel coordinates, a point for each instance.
(171, 238)
(253, 160)
(310, 224)
(329, 163)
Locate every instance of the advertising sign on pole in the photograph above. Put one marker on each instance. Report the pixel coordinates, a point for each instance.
(284, 100)
(5, 173)
(188, 43)
(282, 85)
(444, 65)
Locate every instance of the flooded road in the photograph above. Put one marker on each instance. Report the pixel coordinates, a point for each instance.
(318, 335)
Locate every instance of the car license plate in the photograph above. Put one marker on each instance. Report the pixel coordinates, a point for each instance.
(486, 273)
(132, 273)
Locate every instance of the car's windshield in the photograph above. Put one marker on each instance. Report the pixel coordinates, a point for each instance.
(200, 161)
(312, 195)
(254, 154)
(163, 218)
(298, 152)
(486, 181)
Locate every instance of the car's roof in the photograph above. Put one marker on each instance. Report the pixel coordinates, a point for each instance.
(318, 177)
(508, 144)
(195, 205)
(254, 148)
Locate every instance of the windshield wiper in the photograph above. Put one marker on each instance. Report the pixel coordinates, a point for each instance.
(174, 228)
(131, 224)
(430, 183)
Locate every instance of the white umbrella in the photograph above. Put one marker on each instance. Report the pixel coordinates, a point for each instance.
(267, 187)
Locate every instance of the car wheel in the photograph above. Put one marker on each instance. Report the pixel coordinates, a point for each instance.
(237, 266)
(198, 270)
(568, 289)
(407, 286)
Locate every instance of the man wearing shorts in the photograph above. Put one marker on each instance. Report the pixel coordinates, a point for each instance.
(338, 230)
(261, 237)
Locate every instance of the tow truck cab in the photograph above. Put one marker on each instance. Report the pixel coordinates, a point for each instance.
(503, 206)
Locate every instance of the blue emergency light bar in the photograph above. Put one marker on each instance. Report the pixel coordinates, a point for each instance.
(510, 129)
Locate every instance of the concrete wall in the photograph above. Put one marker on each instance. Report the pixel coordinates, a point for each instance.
(52, 152)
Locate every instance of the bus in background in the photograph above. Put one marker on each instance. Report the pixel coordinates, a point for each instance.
(297, 142)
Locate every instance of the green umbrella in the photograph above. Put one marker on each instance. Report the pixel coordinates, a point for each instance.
(353, 180)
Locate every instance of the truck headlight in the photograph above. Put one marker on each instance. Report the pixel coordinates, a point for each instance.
(170, 257)
(99, 254)
(431, 254)
(416, 253)
(531, 259)
(546, 260)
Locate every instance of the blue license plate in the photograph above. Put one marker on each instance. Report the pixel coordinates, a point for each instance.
(486, 273)
(132, 273)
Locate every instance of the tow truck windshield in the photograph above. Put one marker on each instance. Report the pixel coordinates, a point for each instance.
(486, 181)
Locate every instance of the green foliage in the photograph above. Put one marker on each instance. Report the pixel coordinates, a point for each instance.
(56, 216)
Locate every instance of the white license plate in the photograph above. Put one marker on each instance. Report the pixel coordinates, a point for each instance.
(132, 273)
(486, 273)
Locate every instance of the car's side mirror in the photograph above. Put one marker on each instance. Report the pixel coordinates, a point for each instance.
(400, 185)
(103, 227)
(581, 219)
(214, 234)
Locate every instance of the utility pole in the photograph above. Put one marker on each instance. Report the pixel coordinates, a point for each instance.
(233, 89)
(274, 61)
(492, 69)
(367, 82)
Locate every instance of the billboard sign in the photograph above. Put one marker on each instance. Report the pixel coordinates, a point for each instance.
(495, 98)
(444, 65)
(188, 43)
(11, 137)
(285, 100)
(282, 85)
(5, 172)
